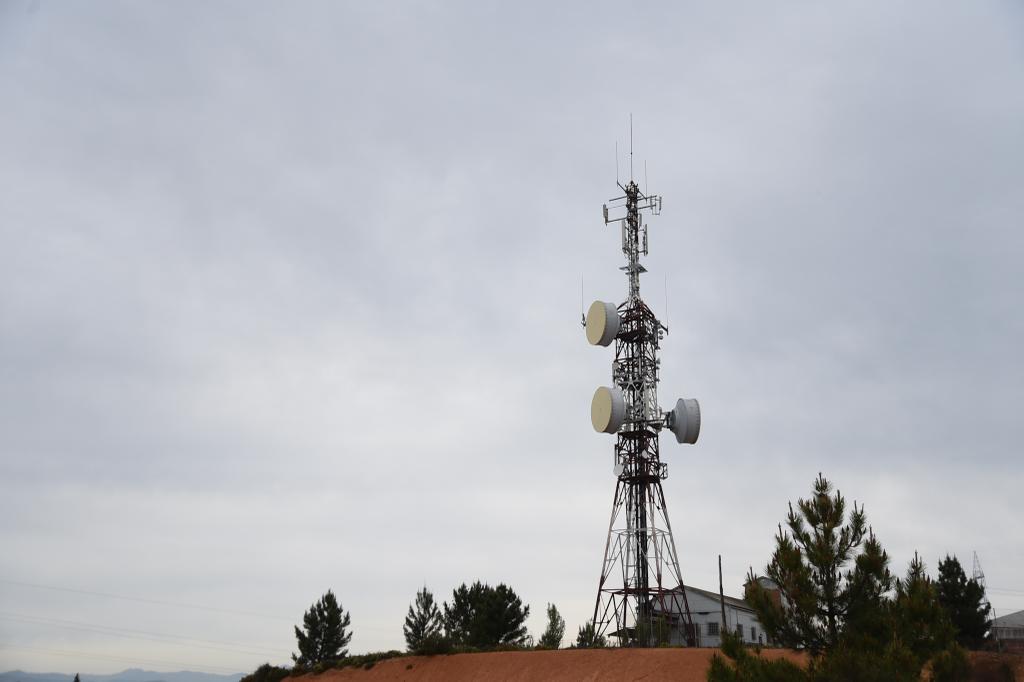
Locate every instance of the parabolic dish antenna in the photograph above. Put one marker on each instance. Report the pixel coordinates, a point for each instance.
(607, 410)
(602, 323)
(684, 420)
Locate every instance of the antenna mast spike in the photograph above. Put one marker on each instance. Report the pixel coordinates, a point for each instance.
(617, 162)
(631, 147)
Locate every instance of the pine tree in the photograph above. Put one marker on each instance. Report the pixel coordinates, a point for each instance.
(964, 600)
(821, 597)
(921, 623)
(740, 665)
(423, 624)
(587, 637)
(324, 633)
(833, 579)
(485, 617)
(910, 630)
(552, 637)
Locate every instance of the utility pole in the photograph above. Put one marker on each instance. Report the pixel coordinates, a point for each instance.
(721, 592)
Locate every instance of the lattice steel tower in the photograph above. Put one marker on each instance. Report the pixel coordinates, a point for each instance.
(641, 592)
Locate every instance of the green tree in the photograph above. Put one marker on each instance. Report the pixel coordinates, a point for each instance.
(423, 624)
(965, 602)
(920, 622)
(834, 580)
(587, 637)
(486, 617)
(952, 665)
(748, 667)
(831, 572)
(662, 631)
(651, 631)
(906, 632)
(552, 637)
(324, 633)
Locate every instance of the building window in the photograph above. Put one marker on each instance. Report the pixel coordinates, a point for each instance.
(712, 629)
(753, 634)
(739, 630)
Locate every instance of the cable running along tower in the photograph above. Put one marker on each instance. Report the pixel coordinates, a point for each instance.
(640, 598)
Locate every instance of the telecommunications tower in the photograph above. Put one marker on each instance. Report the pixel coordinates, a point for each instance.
(979, 577)
(640, 598)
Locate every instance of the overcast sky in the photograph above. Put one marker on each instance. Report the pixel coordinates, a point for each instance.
(290, 299)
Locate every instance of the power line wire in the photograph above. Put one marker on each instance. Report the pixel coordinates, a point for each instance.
(142, 600)
(120, 659)
(1002, 590)
(132, 633)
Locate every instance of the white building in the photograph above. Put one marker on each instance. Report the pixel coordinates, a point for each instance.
(1009, 630)
(706, 612)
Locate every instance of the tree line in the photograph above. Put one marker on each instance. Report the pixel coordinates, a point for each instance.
(483, 618)
(479, 617)
(832, 595)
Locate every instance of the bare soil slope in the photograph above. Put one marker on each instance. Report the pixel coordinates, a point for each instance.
(578, 665)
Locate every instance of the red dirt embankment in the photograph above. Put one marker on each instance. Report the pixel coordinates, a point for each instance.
(577, 665)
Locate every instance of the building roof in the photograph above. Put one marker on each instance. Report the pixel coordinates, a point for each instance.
(729, 601)
(1010, 620)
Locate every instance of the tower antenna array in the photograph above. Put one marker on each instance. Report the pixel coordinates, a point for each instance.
(641, 598)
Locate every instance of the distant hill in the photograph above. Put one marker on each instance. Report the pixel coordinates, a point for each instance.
(130, 675)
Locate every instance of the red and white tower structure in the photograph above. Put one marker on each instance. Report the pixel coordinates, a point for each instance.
(640, 598)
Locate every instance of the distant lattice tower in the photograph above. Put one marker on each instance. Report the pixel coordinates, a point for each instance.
(978, 576)
(641, 593)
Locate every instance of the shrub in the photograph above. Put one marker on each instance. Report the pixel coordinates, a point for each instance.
(951, 665)
(267, 673)
(367, 661)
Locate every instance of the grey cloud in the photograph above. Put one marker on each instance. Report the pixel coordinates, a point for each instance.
(289, 298)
